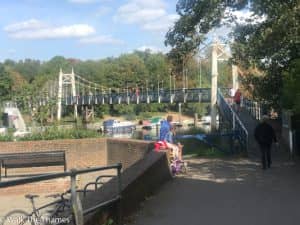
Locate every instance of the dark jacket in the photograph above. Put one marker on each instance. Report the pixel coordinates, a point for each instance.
(264, 134)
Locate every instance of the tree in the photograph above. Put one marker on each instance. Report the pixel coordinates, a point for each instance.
(291, 84)
(5, 84)
(268, 42)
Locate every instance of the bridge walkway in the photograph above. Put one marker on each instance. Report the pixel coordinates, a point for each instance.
(226, 192)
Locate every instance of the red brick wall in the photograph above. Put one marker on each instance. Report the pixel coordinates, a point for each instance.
(126, 151)
(80, 153)
(139, 181)
(47, 187)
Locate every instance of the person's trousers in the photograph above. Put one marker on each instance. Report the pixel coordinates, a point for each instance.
(266, 156)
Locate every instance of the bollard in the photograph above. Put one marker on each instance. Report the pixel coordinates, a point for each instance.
(119, 222)
(128, 100)
(195, 119)
(233, 121)
(75, 200)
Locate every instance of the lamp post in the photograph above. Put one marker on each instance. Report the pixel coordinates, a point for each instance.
(157, 88)
(200, 72)
(147, 87)
(174, 80)
(170, 85)
(183, 86)
(186, 79)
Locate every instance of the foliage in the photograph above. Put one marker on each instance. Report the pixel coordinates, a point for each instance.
(28, 80)
(5, 84)
(265, 46)
(6, 138)
(197, 18)
(110, 221)
(291, 90)
(270, 46)
(53, 133)
(194, 147)
(192, 108)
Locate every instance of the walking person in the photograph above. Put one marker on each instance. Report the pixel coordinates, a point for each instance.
(237, 100)
(265, 135)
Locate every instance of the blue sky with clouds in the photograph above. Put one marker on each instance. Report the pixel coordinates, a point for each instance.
(85, 29)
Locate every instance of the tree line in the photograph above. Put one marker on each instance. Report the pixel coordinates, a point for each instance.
(24, 79)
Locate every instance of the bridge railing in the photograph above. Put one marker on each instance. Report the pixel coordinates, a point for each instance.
(256, 109)
(161, 96)
(77, 209)
(236, 124)
(253, 107)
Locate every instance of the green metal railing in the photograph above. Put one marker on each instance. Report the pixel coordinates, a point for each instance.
(77, 209)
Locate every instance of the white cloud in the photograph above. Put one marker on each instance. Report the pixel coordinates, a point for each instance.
(149, 15)
(152, 49)
(34, 29)
(244, 16)
(25, 25)
(87, 1)
(82, 1)
(141, 15)
(161, 25)
(105, 39)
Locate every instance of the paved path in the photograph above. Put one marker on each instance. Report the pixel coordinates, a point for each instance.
(227, 192)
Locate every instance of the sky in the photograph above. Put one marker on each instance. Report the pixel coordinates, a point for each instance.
(83, 29)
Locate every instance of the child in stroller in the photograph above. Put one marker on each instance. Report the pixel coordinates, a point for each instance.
(177, 165)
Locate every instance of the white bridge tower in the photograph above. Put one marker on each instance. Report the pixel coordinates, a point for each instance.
(64, 82)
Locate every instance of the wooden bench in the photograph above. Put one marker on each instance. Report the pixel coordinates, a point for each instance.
(32, 159)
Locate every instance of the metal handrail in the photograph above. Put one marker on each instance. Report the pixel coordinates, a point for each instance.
(163, 96)
(254, 108)
(234, 119)
(75, 201)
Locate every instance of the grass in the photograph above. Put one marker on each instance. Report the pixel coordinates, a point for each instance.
(222, 146)
(194, 147)
(54, 133)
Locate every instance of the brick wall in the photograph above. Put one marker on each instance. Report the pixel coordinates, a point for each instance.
(80, 153)
(139, 181)
(44, 187)
(126, 151)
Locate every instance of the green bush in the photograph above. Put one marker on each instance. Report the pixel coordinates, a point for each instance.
(53, 133)
(194, 147)
(6, 138)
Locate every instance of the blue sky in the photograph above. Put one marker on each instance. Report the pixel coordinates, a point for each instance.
(84, 29)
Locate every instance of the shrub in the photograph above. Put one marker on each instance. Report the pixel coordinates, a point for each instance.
(53, 133)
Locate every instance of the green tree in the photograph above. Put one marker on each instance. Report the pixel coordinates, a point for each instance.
(291, 84)
(5, 84)
(264, 45)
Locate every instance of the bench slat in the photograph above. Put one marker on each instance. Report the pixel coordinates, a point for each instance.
(32, 159)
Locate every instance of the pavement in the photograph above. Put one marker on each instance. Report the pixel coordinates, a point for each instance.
(226, 192)
(229, 191)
